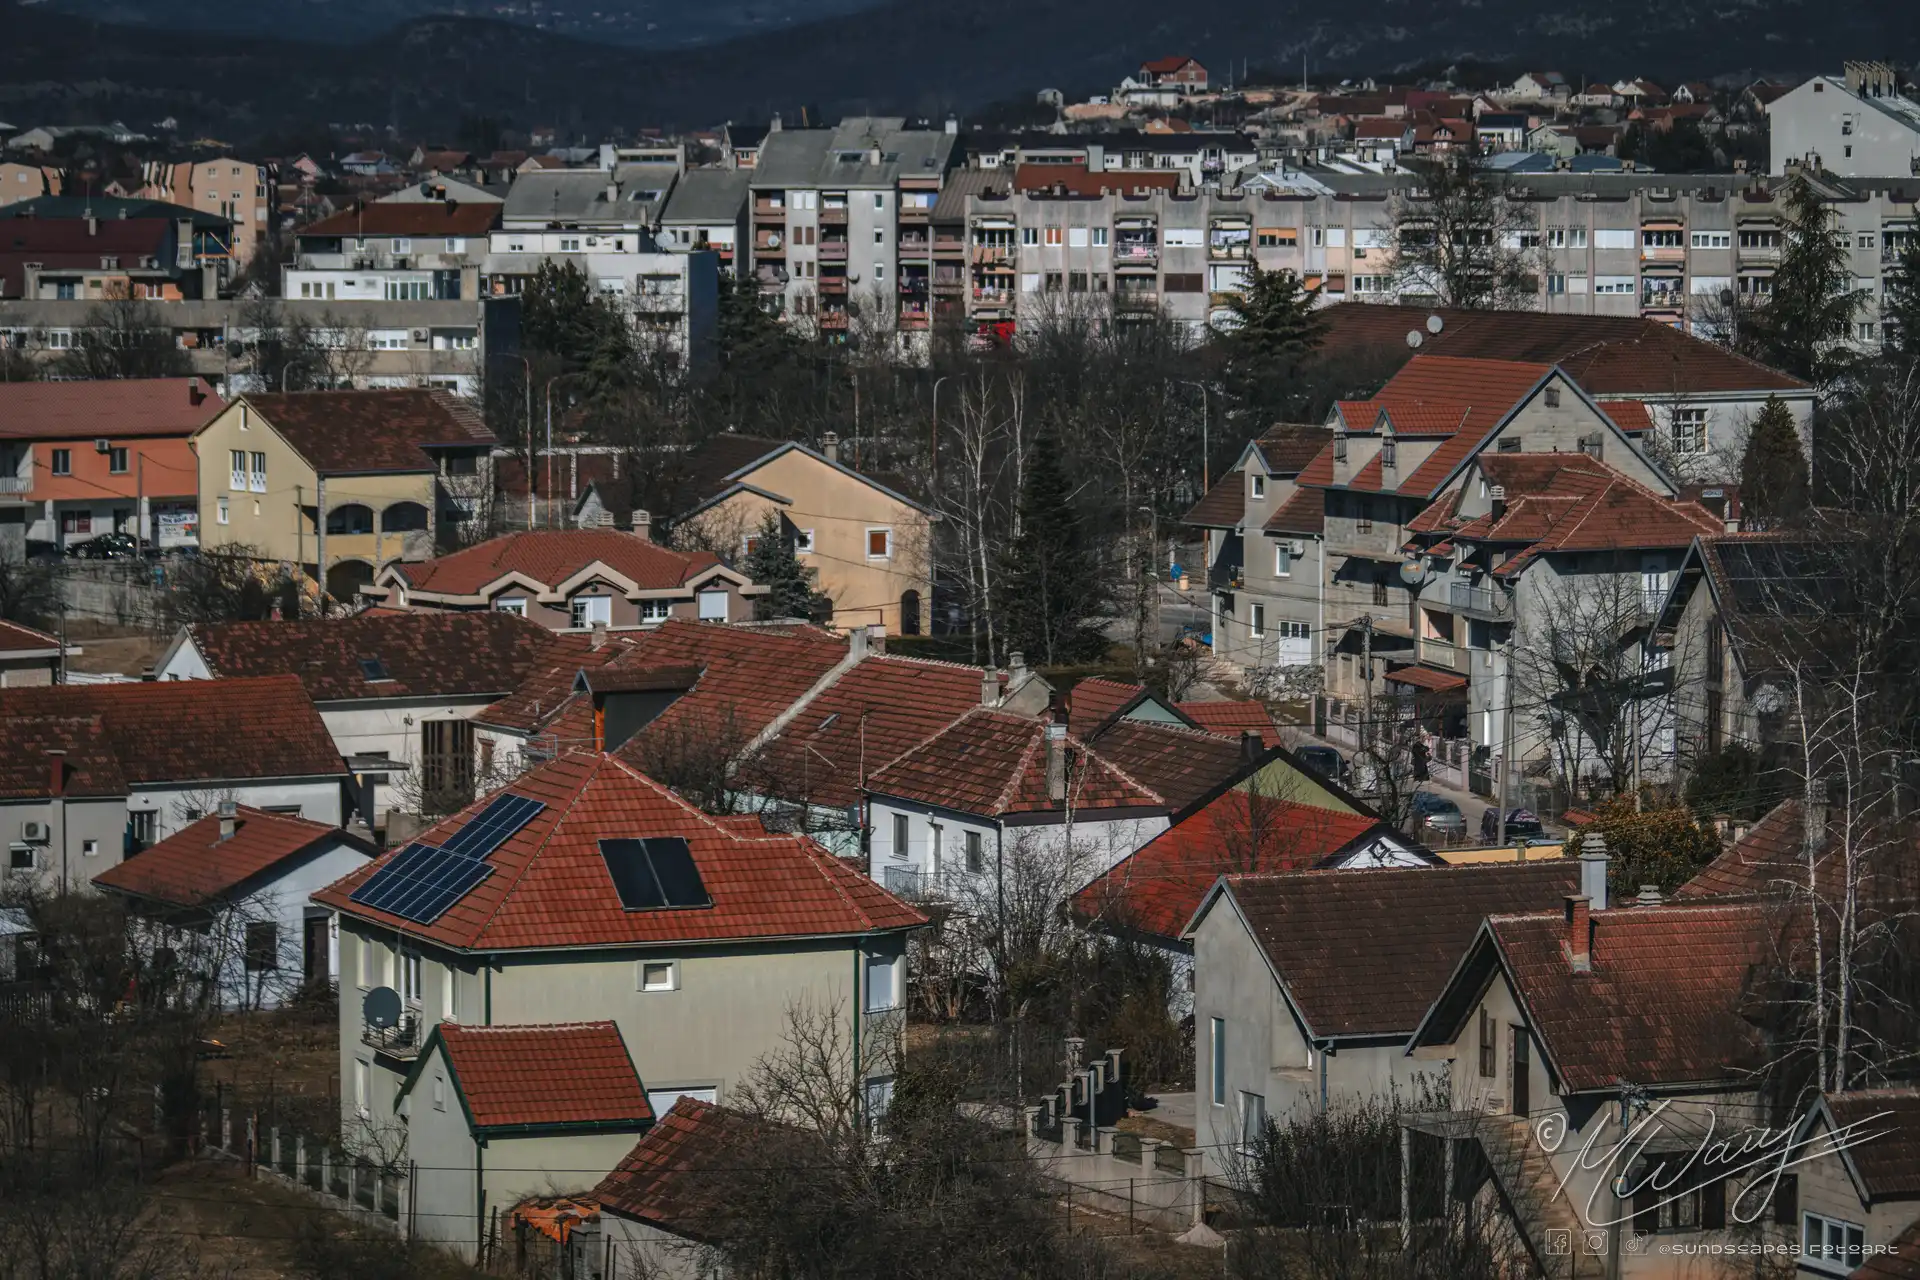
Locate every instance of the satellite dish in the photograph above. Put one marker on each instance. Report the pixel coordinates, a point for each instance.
(773, 241)
(382, 1008)
(1413, 572)
(1435, 324)
(1415, 338)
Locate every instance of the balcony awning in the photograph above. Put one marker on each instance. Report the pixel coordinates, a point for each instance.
(1429, 679)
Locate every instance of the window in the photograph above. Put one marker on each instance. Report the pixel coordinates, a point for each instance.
(237, 462)
(222, 512)
(1489, 1034)
(1712, 240)
(446, 762)
(1257, 621)
(659, 975)
(1373, 284)
(879, 271)
(1509, 444)
(1566, 237)
(62, 462)
(976, 852)
(22, 859)
(439, 1092)
(1029, 236)
(410, 976)
(1099, 237)
(117, 461)
(655, 610)
(879, 236)
(1278, 238)
(516, 605)
(1054, 281)
(883, 991)
(72, 522)
(1865, 330)
(1613, 284)
(1389, 453)
(713, 606)
(1253, 1118)
(1217, 1055)
(1553, 397)
(140, 827)
(262, 946)
(1689, 431)
(89, 848)
(879, 200)
(588, 610)
(900, 834)
(1613, 237)
(362, 1085)
(408, 291)
(1363, 523)
(1283, 561)
(1339, 448)
(1056, 236)
(879, 544)
(1556, 284)
(1256, 486)
(1076, 237)
(257, 482)
(879, 1096)
(1664, 239)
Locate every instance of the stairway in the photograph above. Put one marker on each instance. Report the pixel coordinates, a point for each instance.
(1548, 1221)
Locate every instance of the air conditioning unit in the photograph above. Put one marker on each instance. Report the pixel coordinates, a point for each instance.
(34, 832)
(103, 446)
(420, 335)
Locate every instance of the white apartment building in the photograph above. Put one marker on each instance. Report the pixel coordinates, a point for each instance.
(392, 251)
(1857, 124)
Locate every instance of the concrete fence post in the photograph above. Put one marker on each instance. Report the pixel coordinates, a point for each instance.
(1103, 1139)
(1197, 1183)
(353, 1186)
(226, 1128)
(300, 1158)
(273, 1143)
(1070, 1134)
(1150, 1156)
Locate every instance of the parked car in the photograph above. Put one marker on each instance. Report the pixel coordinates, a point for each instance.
(1326, 762)
(1522, 824)
(1438, 814)
(107, 546)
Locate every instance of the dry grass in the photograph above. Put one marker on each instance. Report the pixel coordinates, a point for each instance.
(113, 649)
(1149, 1127)
(284, 1063)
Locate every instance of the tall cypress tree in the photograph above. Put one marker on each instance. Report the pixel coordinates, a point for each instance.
(1804, 327)
(1052, 581)
(1773, 472)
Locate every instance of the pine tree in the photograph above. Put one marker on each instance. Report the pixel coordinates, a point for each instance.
(557, 312)
(1053, 583)
(1902, 307)
(1804, 326)
(1773, 472)
(1275, 329)
(772, 564)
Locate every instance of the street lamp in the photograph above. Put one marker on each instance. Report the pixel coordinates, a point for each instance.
(934, 438)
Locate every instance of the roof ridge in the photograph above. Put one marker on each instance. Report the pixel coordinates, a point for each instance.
(1122, 774)
(1020, 767)
(469, 1028)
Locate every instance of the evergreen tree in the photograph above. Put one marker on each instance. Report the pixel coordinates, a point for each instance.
(772, 564)
(557, 312)
(1275, 329)
(1053, 582)
(1804, 326)
(750, 339)
(1902, 307)
(1773, 473)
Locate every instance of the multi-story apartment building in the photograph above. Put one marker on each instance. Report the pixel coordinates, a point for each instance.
(1202, 156)
(240, 191)
(842, 222)
(392, 251)
(1856, 124)
(707, 210)
(91, 248)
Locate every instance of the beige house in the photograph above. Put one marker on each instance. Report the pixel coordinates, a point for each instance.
(1856, 1198)
(238, 190)
(342, 483)
(587, 892)
(22, 182)
(866, 544)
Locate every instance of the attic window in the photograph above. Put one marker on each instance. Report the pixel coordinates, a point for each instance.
(1553, 397)
(1339, 448)
(1388, 453)
(374, 669)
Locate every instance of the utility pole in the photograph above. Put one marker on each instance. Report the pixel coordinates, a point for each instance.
(1506, 740)
(933, 439)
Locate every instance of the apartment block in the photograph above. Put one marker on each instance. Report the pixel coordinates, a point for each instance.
(392, 251)
(239, 191)
(1857, 124)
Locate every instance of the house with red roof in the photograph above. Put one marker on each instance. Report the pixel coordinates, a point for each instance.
(79, 459)
(230, 898)
(30, 657)
(1307, 983)
(496, 1113)
(587, 891)
(665, 1204)
(1855, 1198)
(1643, 1025)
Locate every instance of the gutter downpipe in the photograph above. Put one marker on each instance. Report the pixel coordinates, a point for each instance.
(859, 1083)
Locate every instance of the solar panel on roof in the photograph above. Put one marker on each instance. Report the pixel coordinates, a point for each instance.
(493, 826)
(420, 882)
(651, 874)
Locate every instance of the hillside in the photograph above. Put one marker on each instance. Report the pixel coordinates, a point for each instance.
(906, 56)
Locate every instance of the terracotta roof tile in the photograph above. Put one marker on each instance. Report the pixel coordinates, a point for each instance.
(1079, 181)
(1900, 1262)
(1177, 763)
(26, 770)
(551, 556)
(1888, 1162)
(408, 218)
(1230, 719)
(993, 763)
(1223, 506)
(358, 432)
(194, 865)
(563, 1073)
(1094, 701)
(679, 1176)
(1286, 447)
(422, 654)
(1305, 511)
(1417, 924)
(195, 731)
(1156, 889)
(551, 888)
(15, 638)
(125, 408)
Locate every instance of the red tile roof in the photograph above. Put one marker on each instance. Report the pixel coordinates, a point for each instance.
(551, 889)
(1180, 764)
(1167, 66)
(1305, 511)
(1664, 1003)
(428, 218)
(194, 866)
(126, 408)
(1427, 678)
(1888, 1161)
(1769, 860)
(993, 763)
(482, 654)
(194, 731)
(1606, 355)
(680, 1176)
(16, 639)
(1223, 506)
(551, 556)
(1900, 1262)
(26, 769)
(1416, 923)
(1076, 180)
(1231, 719)
(1156, 889)
(363, 432)
(1287, 447)
(1094, 701)
(543, 1074)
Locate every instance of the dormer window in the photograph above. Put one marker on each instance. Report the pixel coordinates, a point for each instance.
(1339, 448)
(1388, 452)
(1256, 486)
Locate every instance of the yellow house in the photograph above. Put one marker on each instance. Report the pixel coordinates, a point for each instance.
(866, 544)
(342, 483)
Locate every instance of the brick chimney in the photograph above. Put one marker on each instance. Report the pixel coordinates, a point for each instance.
(1579, 934)
(1593, 869)
(196, 391)
(56, 772)
(1057, 756)
(1249, 745)
(229, 815)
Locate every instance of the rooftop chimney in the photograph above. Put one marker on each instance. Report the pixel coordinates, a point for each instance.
(1016, 669)
(56, 772)
(229, 811)
(1057, 757)
(989, 688)
(857, 643)
(1498, 493)
(1579, 934)
(830, 445)
(1593, 869)
(643, 524)
(598, 635)
(1249, 745)
(1649, 895)
(196, 391)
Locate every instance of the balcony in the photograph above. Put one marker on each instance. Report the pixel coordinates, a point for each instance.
(948, 244)
(1757, 253)
(776, 247)
(992, 253)
(764, 208)
(1480, 602)
(915, 213)
(948, 284)
(399, 1041)
(658, 301)
(1663, 253)
(1136, 300)
(913, 318)
(918, 246)
(834, 217)
(16, 484)
(1442, 653)
(1135, 254)
(834, 286)
(833, 250)
(1377, 541)
(1226, 577)
(992, 299)
(833, 321)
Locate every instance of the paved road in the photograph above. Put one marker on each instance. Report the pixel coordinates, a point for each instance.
(1472, 807)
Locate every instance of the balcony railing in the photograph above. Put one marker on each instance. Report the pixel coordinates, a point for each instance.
(836, 285)
(1226, 577)
(1441, 653)
(1136, 300)
(16, 484)
(1125, 254)
(833, 251)
(402, 1040)
(834, 217)
(1484, 601)
(914, 244)
(769, 209)
(949, 244)
(834, 321)
(915, 212)
(993, 253)
(948, 284)
(993, 297)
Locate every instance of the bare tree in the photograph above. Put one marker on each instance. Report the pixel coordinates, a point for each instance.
(124, 337)
(1462, 241)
